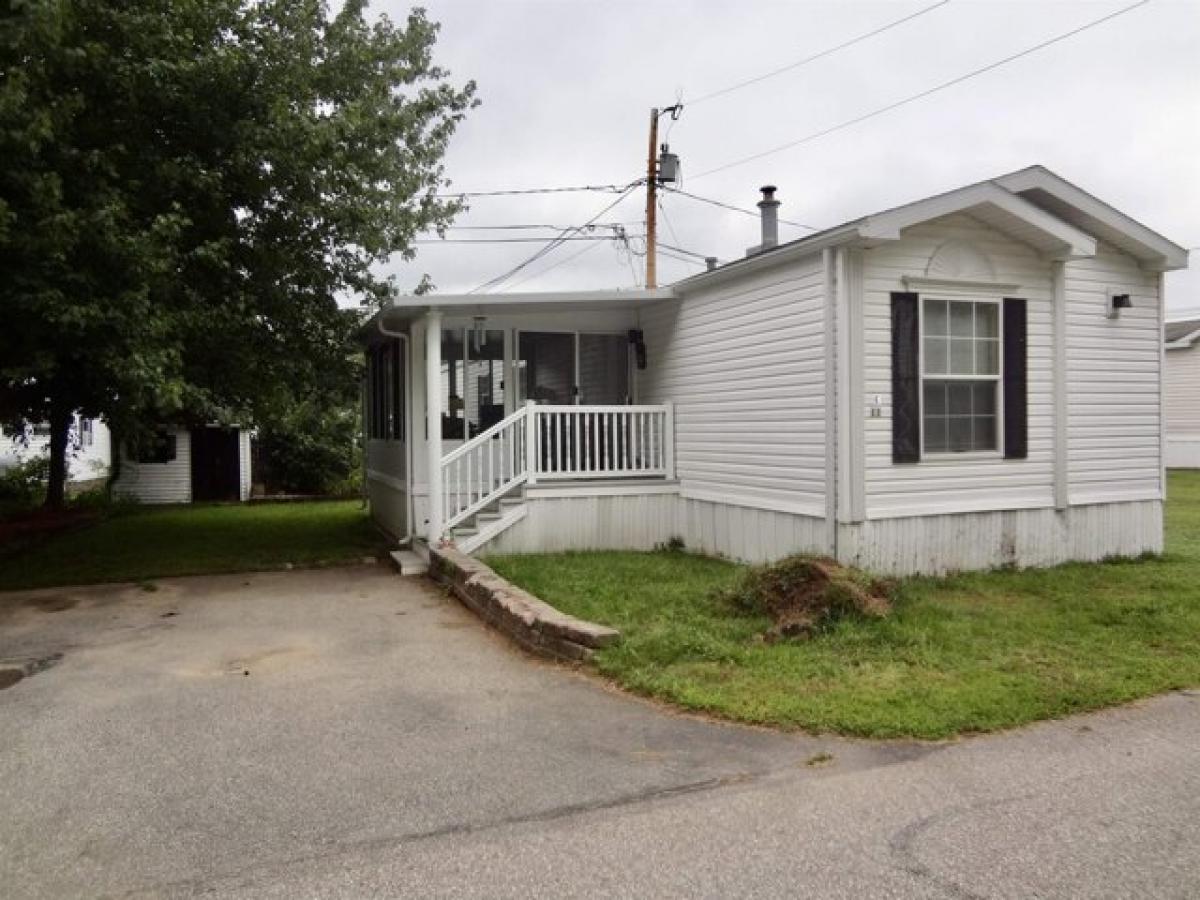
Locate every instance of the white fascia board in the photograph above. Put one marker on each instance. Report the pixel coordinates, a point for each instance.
(1161, 253)
(412, 307)
(540, 298)
(888, 225)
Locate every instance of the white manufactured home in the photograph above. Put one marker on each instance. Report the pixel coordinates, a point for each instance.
(967, 381)
(89, 450)
(1181, 387)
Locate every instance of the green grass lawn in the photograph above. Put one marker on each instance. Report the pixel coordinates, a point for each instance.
(964, 654)
(154, 542)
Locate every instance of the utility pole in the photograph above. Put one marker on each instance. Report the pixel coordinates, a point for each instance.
(652, 204)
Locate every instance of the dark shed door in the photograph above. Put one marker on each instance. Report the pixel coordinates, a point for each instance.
(215, 464)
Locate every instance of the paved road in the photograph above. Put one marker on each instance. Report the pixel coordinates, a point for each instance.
(383, 743)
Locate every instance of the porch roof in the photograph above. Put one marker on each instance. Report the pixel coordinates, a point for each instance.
(410, 307)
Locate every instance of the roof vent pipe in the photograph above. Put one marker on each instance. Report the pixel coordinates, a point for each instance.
(710, 263)
(770, 217)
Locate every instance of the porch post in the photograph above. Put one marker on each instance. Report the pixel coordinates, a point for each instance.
(669, 439)
(433, 413)
(531, 442)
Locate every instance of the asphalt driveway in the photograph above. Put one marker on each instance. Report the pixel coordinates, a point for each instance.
(350, 733)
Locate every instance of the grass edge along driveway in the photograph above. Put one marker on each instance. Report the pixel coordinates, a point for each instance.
(157, 542)
(969, 653)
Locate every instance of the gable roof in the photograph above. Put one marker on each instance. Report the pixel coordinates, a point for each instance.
(1181, 334)
(1033, 205)
(1056, 195)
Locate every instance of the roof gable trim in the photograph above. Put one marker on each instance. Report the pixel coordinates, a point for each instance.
(1073, 243)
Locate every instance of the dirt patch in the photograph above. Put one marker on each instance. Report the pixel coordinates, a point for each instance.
(801, 594)
(10, 674)
(42, 523)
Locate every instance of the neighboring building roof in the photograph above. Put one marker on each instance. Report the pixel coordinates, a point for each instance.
(1182, 333)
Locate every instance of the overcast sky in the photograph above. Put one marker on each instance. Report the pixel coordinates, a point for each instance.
(566, 89)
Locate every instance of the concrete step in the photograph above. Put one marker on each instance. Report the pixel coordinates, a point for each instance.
(408, 562)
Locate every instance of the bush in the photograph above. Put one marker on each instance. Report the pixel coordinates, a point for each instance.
(309, 450)
(25, 483)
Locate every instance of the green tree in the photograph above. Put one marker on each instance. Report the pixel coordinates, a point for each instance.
(187, 187)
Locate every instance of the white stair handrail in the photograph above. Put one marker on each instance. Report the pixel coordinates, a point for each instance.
(483, 469)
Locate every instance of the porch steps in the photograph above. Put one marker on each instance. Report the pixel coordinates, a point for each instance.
(488, 523)
(409, 562)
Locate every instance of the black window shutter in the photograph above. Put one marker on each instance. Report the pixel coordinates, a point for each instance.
(906, 379)
(1016, 403)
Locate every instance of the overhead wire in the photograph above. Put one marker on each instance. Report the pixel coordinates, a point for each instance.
(555, 242)
(927, 92)
(732, 208)
(816, 56)
(601, 188)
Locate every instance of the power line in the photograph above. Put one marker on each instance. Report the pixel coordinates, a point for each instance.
(810, 59)
(526, 227)
(563, 261)
(515, 240)
(683, 251)
(603, 188)
(933, 90)
(683, 259)
(555, 242)
(739, 209)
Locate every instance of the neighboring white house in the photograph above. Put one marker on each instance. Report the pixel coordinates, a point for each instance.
(1181, 388)
(967, 381)
(89, 450)
(187, 465)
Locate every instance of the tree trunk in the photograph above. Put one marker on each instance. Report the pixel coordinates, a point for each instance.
(60, 427)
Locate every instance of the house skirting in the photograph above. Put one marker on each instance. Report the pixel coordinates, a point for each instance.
(389, 503)
(1183, 451)
(934, 545)
(902, 546)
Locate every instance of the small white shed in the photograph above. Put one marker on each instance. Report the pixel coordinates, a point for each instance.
(188, 465)
(1182, 393)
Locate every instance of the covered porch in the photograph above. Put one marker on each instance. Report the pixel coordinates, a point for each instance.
(484, 399)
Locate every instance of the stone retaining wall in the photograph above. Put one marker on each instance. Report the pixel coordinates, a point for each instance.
(534, 624)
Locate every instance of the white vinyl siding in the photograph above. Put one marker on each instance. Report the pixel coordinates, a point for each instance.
(244, 464)
(169, 482)
(1182, 391)
(971, 483)
(1113, 420)
(744, 364)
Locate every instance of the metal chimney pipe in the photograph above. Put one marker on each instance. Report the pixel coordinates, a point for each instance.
(770, 217)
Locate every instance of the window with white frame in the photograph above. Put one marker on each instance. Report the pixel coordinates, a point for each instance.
(960, 375)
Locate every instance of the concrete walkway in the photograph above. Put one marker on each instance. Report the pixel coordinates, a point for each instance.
(349, 733)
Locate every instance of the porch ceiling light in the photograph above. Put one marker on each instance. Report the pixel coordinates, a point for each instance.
(478, 332)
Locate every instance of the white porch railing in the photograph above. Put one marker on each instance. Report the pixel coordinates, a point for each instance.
(543, 443)
(600, 442)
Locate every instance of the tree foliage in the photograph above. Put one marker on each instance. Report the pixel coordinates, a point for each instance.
(187, 187)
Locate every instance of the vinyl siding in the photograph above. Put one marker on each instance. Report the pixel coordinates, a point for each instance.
(169, 482)
(744, 365)
(244, 464)
(1113, 383)
(968, 484)
(1182, 391)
